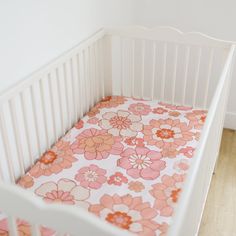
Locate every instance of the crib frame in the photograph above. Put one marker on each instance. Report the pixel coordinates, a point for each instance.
(105, 64)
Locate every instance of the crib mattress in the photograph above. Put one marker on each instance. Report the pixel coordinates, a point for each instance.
(125, 161)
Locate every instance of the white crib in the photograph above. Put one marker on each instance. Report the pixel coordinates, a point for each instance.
(163, 63)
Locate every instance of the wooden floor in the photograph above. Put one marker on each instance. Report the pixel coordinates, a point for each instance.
(219, 218)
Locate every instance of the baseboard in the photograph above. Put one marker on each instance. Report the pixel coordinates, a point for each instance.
(230, 120)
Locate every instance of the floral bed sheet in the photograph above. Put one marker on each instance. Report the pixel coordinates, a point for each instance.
(125, 161)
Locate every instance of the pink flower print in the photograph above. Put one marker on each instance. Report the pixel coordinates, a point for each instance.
(127, 212)
(26, 181)
(197, 118)
(23, 229)
(163, 228)
(181, 166)
(54, 161)
(166, 193)
(136, 186)
(142, 163)
(121, 123)
(170, 152)
(79, 124)
(174, 113)
(187, 151)
(167, 133)
(140, 109)
(64, 191)
(93, 120)
(132, 141)
(97, 144)
(117, 179)
(111, 101)
(159, 110)
(91, 177)
(175, 107)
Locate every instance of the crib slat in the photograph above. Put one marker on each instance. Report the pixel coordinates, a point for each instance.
(153, 69)
(35, 230)
(174, 73)
(102, 67)
(90, 68)
(35, 117)
(12, 225)
(80, 89)
(164, 72)
(186, 74)
(208, 77)
(197, 76)
(74, 70)
(49, 79)
(86, 82)
(17, 136)
(43, 103)
(133, 68)
(7, 146)
(28, 141)
(143, 67)
(65, 78)
(59, 89)
(96, 71)
(122, 67)
(72, 83)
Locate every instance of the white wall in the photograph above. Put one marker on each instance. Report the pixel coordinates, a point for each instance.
(34, 32)
(213, 17)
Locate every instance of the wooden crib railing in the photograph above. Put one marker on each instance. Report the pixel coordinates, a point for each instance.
(41, 108)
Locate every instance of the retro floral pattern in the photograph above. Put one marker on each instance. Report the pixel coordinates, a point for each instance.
(125, 161)
(97, 144)
(127, 212)
(165, 133)
(23, 229)
(121, 123)
(142, 163)
(166, 193)
(64, 191)
(140, 109)
(54, 161)
(91, 176)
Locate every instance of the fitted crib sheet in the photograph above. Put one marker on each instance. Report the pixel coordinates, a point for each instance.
(125, 161)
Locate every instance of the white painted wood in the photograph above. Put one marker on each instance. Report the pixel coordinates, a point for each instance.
(163, 61)
(64, 218)
(187, 218)
(12, 225)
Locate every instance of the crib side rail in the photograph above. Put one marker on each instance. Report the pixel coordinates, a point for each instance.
(190, 207)
(166, 64)
(66, 220)
(39, 110)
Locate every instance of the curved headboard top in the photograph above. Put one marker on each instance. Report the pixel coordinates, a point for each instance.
(168, 34)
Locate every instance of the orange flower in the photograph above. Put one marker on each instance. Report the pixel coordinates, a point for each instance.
(111, 101)
(120, 219)
(174, 113)
(54, 161)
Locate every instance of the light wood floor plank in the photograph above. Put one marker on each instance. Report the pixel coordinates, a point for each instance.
(219, 218)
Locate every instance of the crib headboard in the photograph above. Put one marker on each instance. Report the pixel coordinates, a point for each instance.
(40, 109)
(166, 64)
